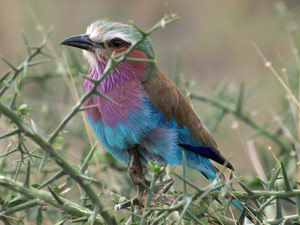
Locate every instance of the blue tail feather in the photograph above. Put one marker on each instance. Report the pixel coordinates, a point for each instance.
(208, 153)
(235, 202)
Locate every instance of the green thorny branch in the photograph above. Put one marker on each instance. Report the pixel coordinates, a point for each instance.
(227, 106)
(197, 206)
(238, 112)
(47, 145)
(184, 204)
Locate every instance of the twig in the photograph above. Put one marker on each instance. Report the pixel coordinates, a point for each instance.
(243, 117)
(69, 207)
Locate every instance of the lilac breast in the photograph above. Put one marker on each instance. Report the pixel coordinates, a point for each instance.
(122, 86)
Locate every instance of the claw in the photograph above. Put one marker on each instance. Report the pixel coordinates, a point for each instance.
(133, 176)
(135, 168)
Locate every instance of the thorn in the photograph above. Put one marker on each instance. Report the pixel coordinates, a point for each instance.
(85, 164)
(27, 177)
(9, 63)
(286, 179)
(88, 178)
(55, 196)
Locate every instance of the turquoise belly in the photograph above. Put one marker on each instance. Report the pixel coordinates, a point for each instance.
(117, 139)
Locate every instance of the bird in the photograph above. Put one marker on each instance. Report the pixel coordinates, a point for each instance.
(148, 117)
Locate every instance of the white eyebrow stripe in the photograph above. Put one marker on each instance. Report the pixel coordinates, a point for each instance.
(111, 35)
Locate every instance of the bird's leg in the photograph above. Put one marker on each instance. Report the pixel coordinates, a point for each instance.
(135, 168)
(136, 172)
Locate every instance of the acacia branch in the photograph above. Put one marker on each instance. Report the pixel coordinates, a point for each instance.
(239, 114)
(60, 160)
(40, 197)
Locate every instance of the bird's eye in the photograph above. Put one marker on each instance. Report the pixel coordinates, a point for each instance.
(117, 43)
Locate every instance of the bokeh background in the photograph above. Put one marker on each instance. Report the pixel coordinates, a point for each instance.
(213, 38)
(212, 42)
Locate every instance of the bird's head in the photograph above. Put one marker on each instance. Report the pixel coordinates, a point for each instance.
(104, 37)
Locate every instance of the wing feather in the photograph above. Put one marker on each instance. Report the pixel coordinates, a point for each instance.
(171, 102)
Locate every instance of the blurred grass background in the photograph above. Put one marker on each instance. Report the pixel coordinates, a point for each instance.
(214, 39)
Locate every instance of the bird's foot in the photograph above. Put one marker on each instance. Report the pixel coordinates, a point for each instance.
(137, 176)
(138, 201)
(136, 170)
(137, 173)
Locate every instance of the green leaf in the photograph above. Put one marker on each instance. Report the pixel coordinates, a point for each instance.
(36, 186)
(154, 167)
(39, 217)
(122, 199)
(57, 146)
(58, 139)
(23, 109)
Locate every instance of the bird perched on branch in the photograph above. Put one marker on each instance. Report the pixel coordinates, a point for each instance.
(148, 117)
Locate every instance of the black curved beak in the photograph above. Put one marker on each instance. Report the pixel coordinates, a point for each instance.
(80, 41)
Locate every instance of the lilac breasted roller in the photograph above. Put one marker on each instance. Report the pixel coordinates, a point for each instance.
(149, 116)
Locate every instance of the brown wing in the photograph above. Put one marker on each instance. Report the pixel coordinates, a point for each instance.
(170, 101)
